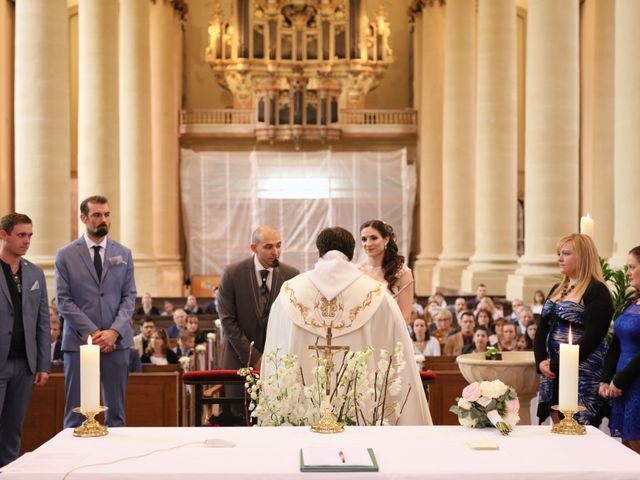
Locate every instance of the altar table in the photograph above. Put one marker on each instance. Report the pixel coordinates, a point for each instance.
(433, 453)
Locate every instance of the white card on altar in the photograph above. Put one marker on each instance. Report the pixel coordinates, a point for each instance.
(483, 445)
(339, 457)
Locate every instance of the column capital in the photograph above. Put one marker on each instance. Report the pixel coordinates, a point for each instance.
(180, 6)
(417, 6)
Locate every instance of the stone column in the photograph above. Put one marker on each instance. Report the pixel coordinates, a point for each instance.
(98, 155)
(166, 54)
(42, 139)
(417, 60)
(136, 212)
(458, 148)
(596, 110)
(552, 136)
(496, 179)
(7, 14)
(626, 137)
(430, 146)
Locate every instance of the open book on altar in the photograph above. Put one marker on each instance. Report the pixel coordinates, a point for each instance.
(333, 459)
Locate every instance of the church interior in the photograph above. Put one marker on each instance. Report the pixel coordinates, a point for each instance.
(484, 131)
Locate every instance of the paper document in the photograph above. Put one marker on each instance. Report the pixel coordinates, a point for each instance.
(339, 457)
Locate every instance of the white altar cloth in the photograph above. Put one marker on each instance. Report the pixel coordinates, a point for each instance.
(436, 453)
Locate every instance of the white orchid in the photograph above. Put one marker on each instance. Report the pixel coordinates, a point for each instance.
(361, 395)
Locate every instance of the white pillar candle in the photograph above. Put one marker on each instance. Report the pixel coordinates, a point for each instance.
(586, 225)
(568, 380)
(89, 377)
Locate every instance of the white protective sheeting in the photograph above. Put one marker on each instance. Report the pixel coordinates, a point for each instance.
(226, 195)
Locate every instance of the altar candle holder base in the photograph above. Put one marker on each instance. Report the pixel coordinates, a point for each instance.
(90, 427)
(327, 423)
(568, 426)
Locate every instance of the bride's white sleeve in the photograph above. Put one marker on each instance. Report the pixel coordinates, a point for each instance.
(278, 335)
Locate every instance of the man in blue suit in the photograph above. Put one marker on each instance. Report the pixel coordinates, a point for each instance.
(25, 336)
(95, 294)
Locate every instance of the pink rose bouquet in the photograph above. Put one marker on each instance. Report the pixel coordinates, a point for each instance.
(485, 404)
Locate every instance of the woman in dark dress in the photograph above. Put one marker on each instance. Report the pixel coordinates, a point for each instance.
(621, 377)
(580, 302)
(158, 351)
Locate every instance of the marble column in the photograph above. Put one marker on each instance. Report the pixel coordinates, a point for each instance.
(166, 55)
(458, 148)
(596, 110)
(7, 17)
(626, 137)
(136, 212)
(496, 179)
(98, 155)
(552, 142)
(42, 138)
(430, 146)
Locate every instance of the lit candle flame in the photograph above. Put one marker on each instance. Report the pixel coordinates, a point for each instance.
(89, 342)
(570, 336)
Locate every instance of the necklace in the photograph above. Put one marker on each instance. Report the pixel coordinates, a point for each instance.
(566, 290)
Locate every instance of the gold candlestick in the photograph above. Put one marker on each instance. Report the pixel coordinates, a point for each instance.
(568, 426)
(90, 427)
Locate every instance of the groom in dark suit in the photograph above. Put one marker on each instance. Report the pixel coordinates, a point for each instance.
(96, 295)
(245, 294)
(25, 336)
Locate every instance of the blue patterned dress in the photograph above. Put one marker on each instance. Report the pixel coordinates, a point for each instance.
(625, 410)
(561, 315)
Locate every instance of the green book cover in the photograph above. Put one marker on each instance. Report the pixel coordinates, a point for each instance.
(338, 467)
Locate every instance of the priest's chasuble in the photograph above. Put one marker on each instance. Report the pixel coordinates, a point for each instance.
(361, 312)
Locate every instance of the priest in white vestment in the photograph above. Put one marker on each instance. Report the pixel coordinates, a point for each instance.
(362, 313)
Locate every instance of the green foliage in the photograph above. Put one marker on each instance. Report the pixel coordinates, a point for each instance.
(622, 293)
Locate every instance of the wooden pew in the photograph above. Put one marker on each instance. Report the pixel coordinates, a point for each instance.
(443, 392)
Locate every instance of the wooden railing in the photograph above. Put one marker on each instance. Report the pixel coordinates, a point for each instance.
(221, 116)
(378, 117)
(347, 117)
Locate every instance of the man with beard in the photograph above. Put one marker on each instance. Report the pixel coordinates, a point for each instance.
(96, 294)
(245, 294)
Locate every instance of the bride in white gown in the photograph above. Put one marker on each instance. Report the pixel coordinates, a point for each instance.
(385, 264)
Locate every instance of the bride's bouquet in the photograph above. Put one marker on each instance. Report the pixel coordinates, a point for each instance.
(485, 404)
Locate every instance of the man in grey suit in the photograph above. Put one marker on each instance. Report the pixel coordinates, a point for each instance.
(245, 294)
(96, 294)
(25, 335)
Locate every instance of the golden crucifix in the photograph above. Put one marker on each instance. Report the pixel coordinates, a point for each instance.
(327, 422)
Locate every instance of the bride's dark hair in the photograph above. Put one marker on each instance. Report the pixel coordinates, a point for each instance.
(392, 261)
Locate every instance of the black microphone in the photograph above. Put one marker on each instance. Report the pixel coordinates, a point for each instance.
(275, 263)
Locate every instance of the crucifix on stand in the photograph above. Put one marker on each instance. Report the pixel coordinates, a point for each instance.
(328, 422)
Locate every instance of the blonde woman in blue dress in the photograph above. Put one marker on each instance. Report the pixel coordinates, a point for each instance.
(385, 264)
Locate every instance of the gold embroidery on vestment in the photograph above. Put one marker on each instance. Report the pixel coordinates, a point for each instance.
(353, 313)
(328, 313)
(304, 311)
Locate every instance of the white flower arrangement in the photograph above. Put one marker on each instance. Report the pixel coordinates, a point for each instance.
(217, 322)
(201, 348)
(485, 404)
(211, 336)
(185, 363)
(359, 396)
